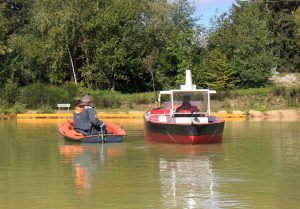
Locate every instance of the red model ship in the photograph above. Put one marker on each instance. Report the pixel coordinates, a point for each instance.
(183, 117)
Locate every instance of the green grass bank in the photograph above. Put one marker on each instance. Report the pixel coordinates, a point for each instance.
(41, 98)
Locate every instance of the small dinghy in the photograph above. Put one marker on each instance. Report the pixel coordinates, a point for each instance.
(114, 134)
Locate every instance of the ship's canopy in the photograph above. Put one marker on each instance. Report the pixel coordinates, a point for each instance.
(198, 98)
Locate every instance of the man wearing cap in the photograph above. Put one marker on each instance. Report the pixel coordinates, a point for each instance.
(85, 118)
(186, 105)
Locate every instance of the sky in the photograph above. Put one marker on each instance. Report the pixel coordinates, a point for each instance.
(208, 8)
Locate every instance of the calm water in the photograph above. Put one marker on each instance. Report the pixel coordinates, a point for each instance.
(256, 166)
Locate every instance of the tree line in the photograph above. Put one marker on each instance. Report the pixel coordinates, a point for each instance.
(138, 46)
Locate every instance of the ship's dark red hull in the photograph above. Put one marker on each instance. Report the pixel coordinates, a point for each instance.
(184, 133)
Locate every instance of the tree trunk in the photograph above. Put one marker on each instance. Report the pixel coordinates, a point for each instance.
(72, 65)
(112, 83)
(153, 85)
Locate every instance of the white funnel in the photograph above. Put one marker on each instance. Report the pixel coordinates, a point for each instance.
(188, 82)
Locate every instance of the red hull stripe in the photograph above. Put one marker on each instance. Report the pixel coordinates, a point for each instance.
(185, 129)
(180, 139)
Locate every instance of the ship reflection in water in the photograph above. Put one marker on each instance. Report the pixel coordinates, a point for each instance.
(86, 159)
(186, 175)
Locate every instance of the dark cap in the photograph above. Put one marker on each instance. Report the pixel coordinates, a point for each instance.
(186, 97)
(86, 98)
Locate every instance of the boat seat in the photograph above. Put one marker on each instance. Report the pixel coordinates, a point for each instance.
(182, 120)
(77, 133)
(211, 119)
(189, 114)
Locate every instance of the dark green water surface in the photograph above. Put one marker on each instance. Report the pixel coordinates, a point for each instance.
(256, 166)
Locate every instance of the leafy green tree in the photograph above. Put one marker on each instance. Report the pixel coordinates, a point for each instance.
(252, 58)
(3, 30)
(215, 71)
(244, 39)
(14, 16)
(297, 26)
(180, 46)
(3, 44)
(55, 45)
(170, 41)
(282, 27)
(117, 59)
(132, 45)
(56, 26)
(155, 26)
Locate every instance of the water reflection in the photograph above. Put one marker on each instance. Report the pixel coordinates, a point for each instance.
(256, 166)
(187, 176)
(87, 160)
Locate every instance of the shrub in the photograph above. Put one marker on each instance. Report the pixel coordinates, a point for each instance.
(143, 98)
(86, 91)
(56, 95)
(278, 91)
(251, 91)
(71, 92)
(45, 109)
(3, 105)
(10, 92)
(2, 109)
(293, 97)
(34, 95)
(106, 99)
(16, 108)
(37, 95)
(220, 95)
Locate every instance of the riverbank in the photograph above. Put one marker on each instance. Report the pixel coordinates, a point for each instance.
(236, 114)
(133, 115)
(280, 97)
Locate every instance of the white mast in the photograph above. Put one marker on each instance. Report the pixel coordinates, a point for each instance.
(188, 82)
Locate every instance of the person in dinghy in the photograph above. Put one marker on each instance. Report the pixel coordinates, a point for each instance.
(85, 118)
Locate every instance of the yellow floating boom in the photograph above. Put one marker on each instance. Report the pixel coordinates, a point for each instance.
(112, 115)
(229, 115)
(70, 115)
